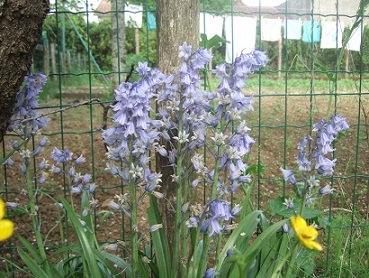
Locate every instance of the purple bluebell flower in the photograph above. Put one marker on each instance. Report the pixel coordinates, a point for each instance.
(87, 178)
(214, 226)
(326, 190)
(80, 160)
(11, 204)
(76, 189)
(23, 169)
(114, 206)
(60, 156)
(155, 227)
(9, 162)
(25, 108)
(303, 162)
(37, 151)
(185, 51)
(15, 145)
(210, 273)
(92, 188)
(236, 210)
(72, 172)
(192, 222)
(42, 178)
(56, 170)
(288, 175)
(220, 209)
(289, 203)
(43, 142)
(302, 145)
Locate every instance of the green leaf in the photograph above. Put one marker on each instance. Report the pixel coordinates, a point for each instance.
(325, 71)
(277, 206)
(195, 259)
(260, 242)
(126, 267)
(264, 236)
(256, 169)
(243, 232)
(159, 241)
(87, 250)
(31, 249)
(33, 266)
(214, 42)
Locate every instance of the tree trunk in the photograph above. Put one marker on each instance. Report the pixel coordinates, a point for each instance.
(177, 22)
(20, 30)
(118, 40)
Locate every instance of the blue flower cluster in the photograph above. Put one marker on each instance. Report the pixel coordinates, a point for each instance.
(187, 118)
(26, 120)
(312, 159)
(78, 181)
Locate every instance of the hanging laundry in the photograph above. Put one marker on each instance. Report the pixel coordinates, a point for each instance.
(211, 25)
(354, 42)
(292, 29)
(311, 31)
(271, 29)
(133, 16)
(331, 34)
(241, 34)
(151, 21)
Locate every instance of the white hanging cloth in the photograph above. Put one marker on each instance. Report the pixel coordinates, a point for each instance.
(241, 34)
(331, 34)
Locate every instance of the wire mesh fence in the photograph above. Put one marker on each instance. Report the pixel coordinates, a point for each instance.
(318, 66)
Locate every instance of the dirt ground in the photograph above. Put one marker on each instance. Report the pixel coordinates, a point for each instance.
(278, 123)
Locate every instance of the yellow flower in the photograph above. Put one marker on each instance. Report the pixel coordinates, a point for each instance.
(306, 234)
(6, 226)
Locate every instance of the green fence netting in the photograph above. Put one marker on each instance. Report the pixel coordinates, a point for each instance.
(318, 66)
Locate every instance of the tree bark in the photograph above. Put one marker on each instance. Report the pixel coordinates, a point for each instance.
(20, 30)
(177, 22)
(118, 40)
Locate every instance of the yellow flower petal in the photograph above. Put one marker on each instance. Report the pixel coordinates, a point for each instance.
(6, 229)
(2, 209)
(306, 234)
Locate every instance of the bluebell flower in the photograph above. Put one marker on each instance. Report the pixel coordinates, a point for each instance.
(56, 170)
(15, 145)
(25, 107)
(114, 206)
(214, 226)
(60, 156)
(76, 189)
(9, 162)
(288, 175)
(42, 178)
(192, 222)
(37, 151)
(155, 227)
(326, 190)
(12, 204)
(80, 160)
(236, 210)
(43, 142)
(43, 164)
(92, 188)
(220, 210)
(185, 51)
(210, 273)
(303, 162)
(87, 178)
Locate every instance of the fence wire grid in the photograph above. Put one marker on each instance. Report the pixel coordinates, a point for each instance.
(319, 62)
